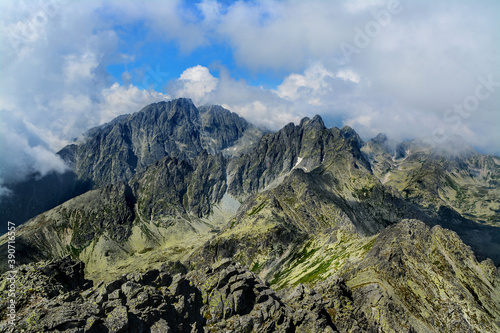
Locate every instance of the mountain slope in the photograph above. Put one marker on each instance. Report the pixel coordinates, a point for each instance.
(411, 280)
(457, 177)
(427, 279)
(274, 226)
(116, 151)
(161, 208)
(322, 226)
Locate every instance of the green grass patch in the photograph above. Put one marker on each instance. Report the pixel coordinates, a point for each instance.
(75, 252)
(305, 255)
(368, 246)
(256, 267)
(315, 274)
(258, 208)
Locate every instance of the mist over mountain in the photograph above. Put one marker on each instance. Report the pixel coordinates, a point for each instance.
(304, 228)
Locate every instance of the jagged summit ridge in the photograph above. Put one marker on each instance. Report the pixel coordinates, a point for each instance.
(116, 151)
(307, 145)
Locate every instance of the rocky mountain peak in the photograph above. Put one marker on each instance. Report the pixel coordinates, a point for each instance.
(175, 128)
(380, 138)
(349, 133)
(176, 110)
(315, 123)
(116, 151)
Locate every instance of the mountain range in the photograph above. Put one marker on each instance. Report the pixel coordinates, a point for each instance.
(196, 220)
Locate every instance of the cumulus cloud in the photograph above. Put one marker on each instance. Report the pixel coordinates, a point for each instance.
(259, 106)
(79, 67)
(196, 83)
(412, 62)
(313, 80)
(167, 20)
(120, 100)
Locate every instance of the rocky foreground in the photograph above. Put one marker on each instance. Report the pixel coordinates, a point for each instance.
(55, 297)
(408, 282)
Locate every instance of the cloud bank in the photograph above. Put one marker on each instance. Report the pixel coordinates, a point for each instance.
(408, 69)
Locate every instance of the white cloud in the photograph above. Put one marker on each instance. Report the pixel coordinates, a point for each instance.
(355, 6)
(364, 120)
(168, 20)
(79, 67)
(23, 151)
(283, 35)
(4, 191)
(347, 74)
(312, 83)
(195, 83)
(120, 100)
(211, 10)
(265, 114)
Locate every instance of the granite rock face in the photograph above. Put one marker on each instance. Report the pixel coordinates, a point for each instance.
(116, 151)
(173, 185)
(306, 146)
(220, 128)
(129, 144)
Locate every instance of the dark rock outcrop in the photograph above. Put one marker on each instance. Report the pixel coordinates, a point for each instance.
(224, 297)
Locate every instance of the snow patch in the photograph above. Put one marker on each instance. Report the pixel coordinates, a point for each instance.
(299, 159)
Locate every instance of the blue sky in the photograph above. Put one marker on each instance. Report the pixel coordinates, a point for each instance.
(411, 69)
(139, 39)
